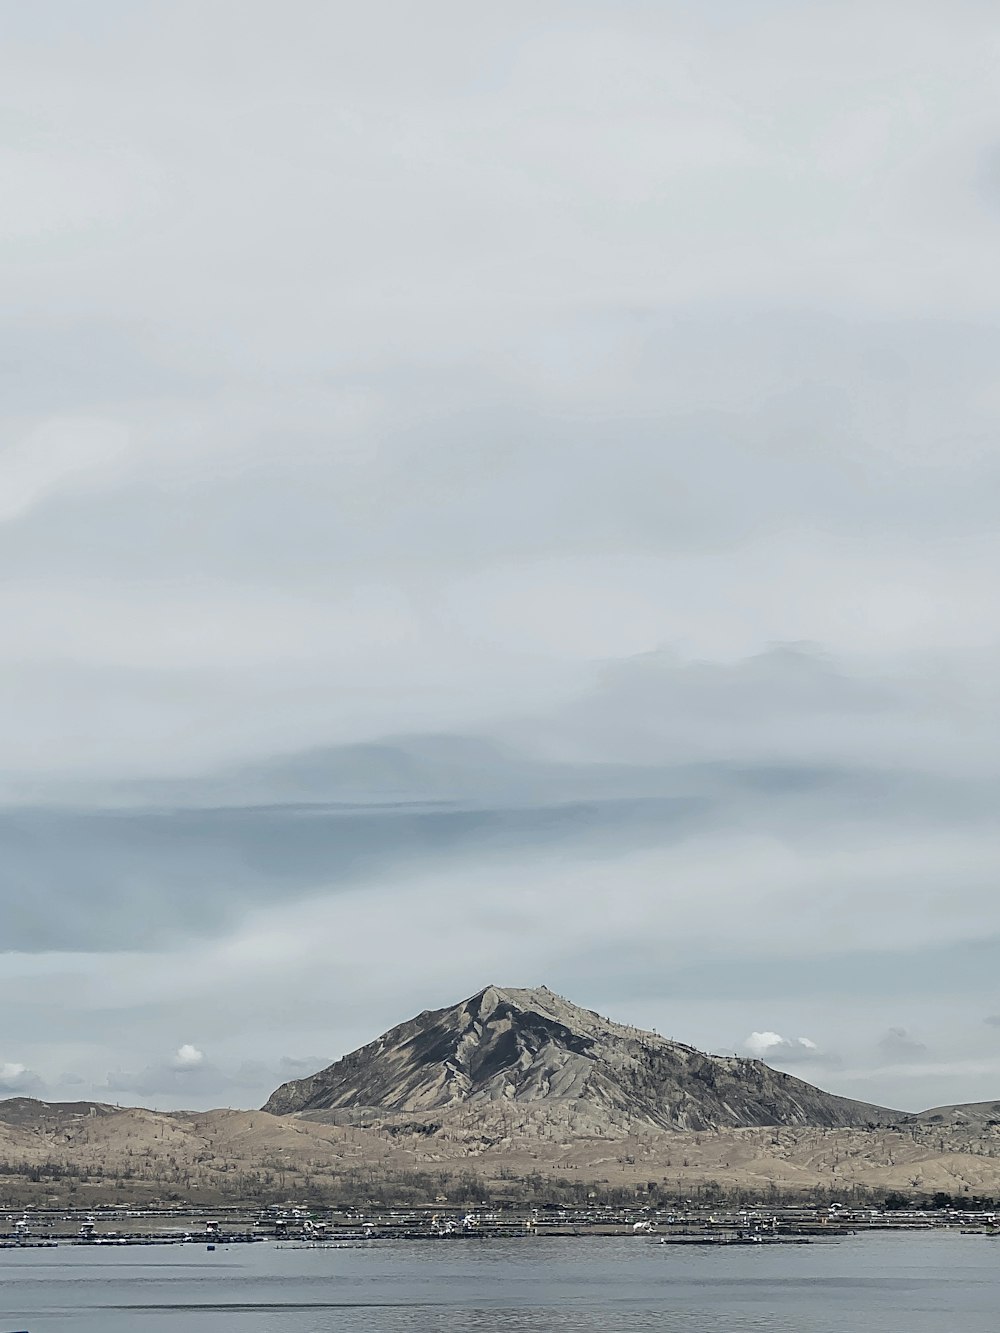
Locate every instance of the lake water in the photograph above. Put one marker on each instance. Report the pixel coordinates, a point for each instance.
(933, 1283)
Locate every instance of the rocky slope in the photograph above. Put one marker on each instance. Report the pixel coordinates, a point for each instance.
(983, 1114)
(531, 1048)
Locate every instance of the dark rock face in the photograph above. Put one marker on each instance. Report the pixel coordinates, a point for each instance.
(531, 1046)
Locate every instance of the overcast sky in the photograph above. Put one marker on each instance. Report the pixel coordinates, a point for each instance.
(498, 494)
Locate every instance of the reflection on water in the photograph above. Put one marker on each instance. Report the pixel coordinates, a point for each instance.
(885, 1284)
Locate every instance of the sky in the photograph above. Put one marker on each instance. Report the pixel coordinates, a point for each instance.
(498, 494)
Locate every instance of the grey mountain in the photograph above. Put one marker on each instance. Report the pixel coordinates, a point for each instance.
(532, 1047)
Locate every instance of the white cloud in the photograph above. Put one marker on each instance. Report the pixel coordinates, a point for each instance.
(776, 1049)
(188, 1057)
(17, 1079)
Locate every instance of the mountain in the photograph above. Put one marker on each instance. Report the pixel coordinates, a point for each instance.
(29, 1112)
(983, 1114)
(533, 1048)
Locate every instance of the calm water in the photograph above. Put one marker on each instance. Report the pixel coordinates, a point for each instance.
(885, 1284)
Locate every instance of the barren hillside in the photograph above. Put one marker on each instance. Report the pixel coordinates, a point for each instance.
(87, 1154)
(532, 1047)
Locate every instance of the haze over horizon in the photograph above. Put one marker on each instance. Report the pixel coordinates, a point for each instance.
(498, 495)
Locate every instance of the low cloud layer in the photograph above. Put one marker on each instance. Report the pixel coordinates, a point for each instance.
(191, 1078)
(778, 1050)
(17, 1080)
(899, 1047)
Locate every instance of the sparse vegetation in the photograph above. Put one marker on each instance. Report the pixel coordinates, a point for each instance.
(494, 1154)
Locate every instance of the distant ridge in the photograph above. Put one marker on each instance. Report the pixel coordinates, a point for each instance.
(964, 1113)
(531, 1046)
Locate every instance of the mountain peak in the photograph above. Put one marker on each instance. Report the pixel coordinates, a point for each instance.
(526, 998)
(529, 1045)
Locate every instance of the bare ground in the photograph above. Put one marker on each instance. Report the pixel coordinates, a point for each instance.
(62, 1156)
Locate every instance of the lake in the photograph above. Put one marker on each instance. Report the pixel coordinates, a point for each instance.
(926, 1283)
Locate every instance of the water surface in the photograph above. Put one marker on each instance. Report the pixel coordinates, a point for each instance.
(927, 1283)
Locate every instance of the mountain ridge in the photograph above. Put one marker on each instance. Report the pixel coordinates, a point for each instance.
(532, 1047)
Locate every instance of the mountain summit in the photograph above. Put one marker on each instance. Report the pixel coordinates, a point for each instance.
(532, 1046)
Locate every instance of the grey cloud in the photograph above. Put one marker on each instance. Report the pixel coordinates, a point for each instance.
(663, 754)
(141, 879)
(522, 494)
(168, 1083)
(154, 1080)
(897, 1047)
(17, 1080)
(144, 878)
(352, 453)
(640, 975)
(49, 369)
(790, 702)
(992, 1020)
